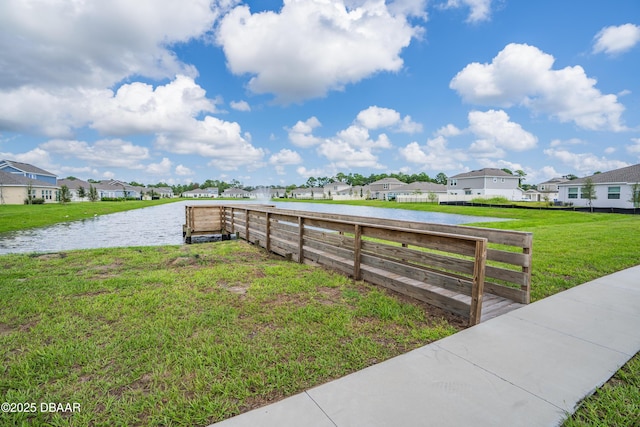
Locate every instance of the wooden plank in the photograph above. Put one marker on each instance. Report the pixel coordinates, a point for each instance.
(447, 243)
(515, 277)
(421, 291)
(477, 290)
(463, 266)
(514, 294)
(435, 278)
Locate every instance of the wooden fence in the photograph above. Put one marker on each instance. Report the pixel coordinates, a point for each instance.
(443, 265)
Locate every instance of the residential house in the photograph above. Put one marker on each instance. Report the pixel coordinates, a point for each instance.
(18, 179)
(163, 192)
(335, 188)
(262, 193)
(613, 189)
(209, 193)
(384, 189)
(420, 192)
(74, 186)
(115, 189)
(484, 183)
(532, 195)
(308, 193)
(549, 190)
(236, 193)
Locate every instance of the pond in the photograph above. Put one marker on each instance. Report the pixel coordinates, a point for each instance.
(162, 225)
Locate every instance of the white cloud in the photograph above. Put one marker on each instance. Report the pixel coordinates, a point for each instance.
(139, 108)
(314, 46)
(495, 133)
(616, 39)
(571, 141)
(211, 137)
(37, 156)
(435, 155)
(584, 163)
(634, 148)
(376, 117)
(240, 105)
(522, 75)
(301, 133)
(182, 170)
(480, 10)
(285, 157)
(162, 168)
(105, 153)
(306, 173)
(448, 130)
(96, 44)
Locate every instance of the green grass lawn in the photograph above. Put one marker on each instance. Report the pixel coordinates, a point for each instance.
(192, 335)
(19, 217)
(187, 335)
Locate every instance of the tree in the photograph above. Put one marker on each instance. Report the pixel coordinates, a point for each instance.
(65, 194)
(589, 192)
(82, 193)
(521, 174)
(441, 178)
(635, 195)
(93, 193)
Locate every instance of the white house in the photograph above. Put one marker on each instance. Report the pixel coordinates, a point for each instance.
(487, 182)
(74, 186)
(308, 193)
(201, 193)
(237, 193)
(549, 190)
(613, 189)
(419, 191)
(336, 188)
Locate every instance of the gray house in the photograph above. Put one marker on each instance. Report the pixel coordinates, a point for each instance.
(487, 182)
(18, 179)
(613, 189)
(384, 189)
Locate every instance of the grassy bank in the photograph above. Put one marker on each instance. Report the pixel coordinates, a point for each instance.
(19, 217)
(186, 335)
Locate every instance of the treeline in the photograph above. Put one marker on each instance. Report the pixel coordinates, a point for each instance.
(353, 179)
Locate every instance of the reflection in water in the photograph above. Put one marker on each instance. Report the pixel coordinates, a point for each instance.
(162, 225)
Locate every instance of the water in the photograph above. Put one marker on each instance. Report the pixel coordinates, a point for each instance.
(162, 225)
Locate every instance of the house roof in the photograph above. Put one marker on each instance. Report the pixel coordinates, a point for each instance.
(423, 186)
(387, 181)
(484, 172)
(15, 180)
(74, 184)
(235, 191)
(629, 174)
(556, 180)
(26, 167)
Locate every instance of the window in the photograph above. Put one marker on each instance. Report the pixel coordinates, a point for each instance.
(502, 180)
(613, 193)
(385, 186)
(542, 188)
(573, 192)
(495, 179)
(453, 182)
(467, 192)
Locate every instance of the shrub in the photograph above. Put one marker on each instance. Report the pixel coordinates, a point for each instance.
(33, 201)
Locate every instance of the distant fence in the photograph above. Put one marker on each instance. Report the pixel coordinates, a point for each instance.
(443, 265)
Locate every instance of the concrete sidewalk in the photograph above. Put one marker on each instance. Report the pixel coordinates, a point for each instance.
(530, 367)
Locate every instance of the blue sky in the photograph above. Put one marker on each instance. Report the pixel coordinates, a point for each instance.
(273, 92)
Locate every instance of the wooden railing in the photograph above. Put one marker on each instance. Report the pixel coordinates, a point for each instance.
(451, 267)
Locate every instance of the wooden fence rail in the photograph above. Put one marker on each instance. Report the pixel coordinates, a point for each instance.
(444, 266)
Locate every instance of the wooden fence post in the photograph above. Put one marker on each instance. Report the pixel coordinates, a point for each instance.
(246, 225)
(357, 247)
(268, 232)
(300, 239)
(477, 289)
